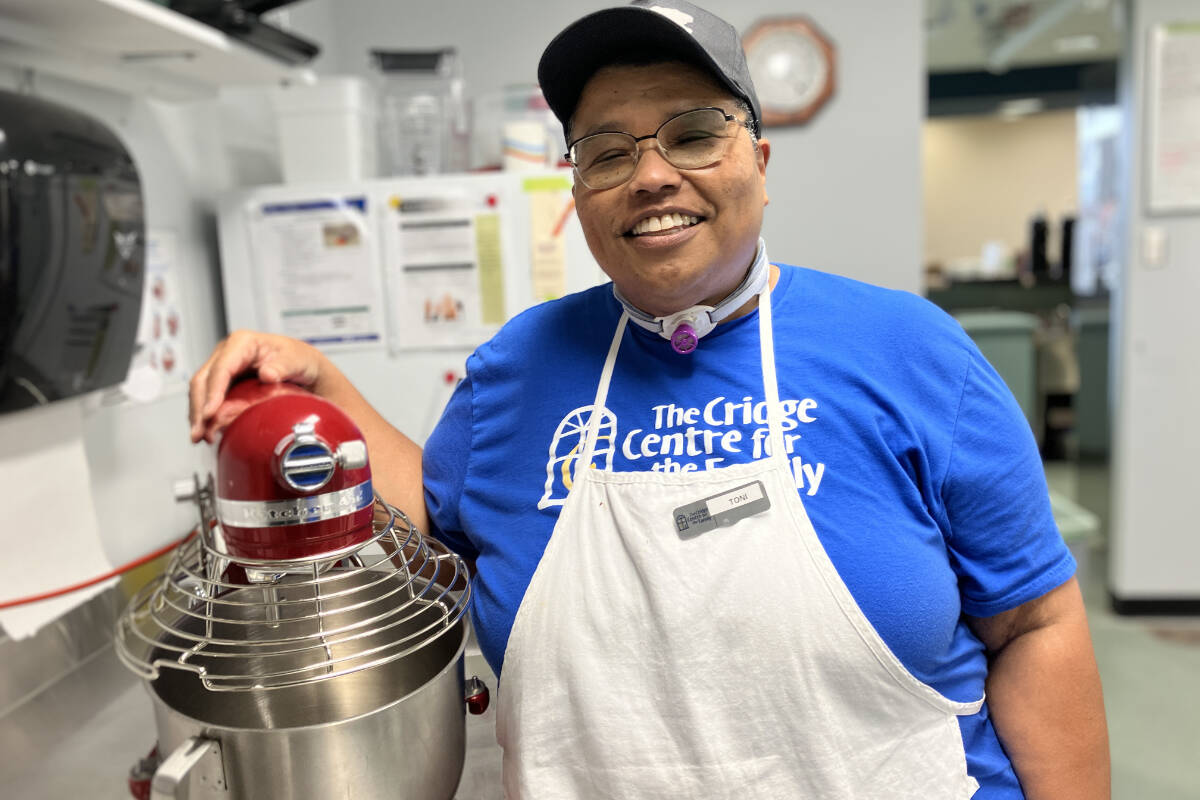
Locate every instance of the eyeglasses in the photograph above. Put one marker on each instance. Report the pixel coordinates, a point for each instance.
(691, 140)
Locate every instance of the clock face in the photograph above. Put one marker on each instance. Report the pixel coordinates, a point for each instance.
(789, 70)
(792, 65)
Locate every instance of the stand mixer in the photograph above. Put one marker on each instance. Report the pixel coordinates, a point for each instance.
(306, 641)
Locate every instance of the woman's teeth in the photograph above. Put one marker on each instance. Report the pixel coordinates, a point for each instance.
(664, 223)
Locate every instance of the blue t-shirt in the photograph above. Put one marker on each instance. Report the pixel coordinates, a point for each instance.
(915, 464)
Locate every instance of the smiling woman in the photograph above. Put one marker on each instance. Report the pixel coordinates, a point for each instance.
(879, 467)
(662, 272)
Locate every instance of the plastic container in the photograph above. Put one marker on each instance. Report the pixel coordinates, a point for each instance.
(531, 138)
(327, 130)
(424, 119)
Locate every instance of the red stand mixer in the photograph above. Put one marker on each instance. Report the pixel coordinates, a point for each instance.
(308, 641)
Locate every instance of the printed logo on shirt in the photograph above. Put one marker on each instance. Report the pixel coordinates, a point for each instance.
(567, 446)
(678, 439)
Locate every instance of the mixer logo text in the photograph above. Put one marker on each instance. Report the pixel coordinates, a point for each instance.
(297, 511)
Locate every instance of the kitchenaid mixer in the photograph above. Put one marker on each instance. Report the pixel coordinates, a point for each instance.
(306, 641)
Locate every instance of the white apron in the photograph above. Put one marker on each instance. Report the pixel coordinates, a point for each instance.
(660, 654)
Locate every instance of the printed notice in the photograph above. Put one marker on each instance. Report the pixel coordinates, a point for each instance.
(318, 269)
(491, 269)
(550, 205)
(445, 273)
(1174, 125)
(160, 358)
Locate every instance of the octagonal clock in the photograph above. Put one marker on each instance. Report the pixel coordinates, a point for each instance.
(793, 66)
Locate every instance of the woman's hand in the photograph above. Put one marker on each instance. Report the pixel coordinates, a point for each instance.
(274, 358)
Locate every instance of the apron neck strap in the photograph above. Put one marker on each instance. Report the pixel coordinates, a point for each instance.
(597, 410)
(766, 340)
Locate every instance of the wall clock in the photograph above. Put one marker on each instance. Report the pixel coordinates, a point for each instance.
(793, 66)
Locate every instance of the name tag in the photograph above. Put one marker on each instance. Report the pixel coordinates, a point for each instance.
(721, 510)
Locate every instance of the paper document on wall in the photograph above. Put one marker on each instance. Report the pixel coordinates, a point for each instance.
(1174, 125)
(49, 538)
(550, 206)
(160, 358)
(444, 267)
(317, 269)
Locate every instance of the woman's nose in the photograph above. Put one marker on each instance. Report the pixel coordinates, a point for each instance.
(652, 172)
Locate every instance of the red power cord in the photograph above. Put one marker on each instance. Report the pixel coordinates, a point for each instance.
(36, 598)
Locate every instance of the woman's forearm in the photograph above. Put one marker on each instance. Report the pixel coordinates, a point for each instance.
(1045, 700)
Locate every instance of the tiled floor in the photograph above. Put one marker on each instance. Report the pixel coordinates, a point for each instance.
(1150, 667)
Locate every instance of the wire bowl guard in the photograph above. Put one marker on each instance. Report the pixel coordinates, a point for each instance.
(248, 625)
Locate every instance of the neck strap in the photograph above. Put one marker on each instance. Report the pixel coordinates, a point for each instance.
(685, 328)
(600, 431)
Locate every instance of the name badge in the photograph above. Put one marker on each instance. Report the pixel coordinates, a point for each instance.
(721, 510)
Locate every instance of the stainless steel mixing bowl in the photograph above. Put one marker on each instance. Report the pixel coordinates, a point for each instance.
(390, 730)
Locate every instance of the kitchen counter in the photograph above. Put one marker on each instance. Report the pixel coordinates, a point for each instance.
(79, 738)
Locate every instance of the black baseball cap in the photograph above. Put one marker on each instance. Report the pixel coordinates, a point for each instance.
(674, 29)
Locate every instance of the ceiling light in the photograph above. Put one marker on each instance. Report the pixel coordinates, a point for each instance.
(1012, 109)
(1082, 43)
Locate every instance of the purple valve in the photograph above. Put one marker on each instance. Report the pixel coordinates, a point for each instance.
(684, 339)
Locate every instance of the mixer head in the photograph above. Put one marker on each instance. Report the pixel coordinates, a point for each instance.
(293, 483)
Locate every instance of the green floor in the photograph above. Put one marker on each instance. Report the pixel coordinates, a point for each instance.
(1150, 667)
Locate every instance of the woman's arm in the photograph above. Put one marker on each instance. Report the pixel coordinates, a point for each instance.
(1044, 697)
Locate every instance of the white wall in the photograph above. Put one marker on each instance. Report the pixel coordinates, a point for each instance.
(985, 178)
(845, 190)
(1155, 541)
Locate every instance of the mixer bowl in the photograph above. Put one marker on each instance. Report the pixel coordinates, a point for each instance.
(391, 730)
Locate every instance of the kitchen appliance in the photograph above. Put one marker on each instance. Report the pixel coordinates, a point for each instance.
(72, 242)
(306, 655)
(327, 129)
(423, 116)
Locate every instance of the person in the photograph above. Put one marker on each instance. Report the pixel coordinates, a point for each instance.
(737, 527)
